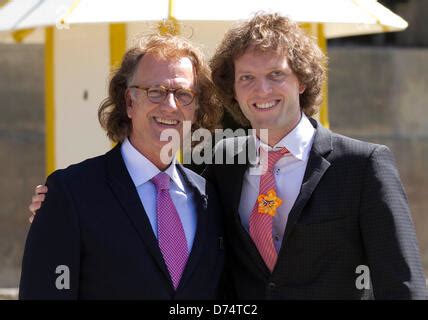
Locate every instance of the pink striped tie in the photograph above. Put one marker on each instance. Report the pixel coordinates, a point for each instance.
(261, 223)
(171, 237)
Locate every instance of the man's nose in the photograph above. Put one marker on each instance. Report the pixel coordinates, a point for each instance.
(169, 101)
(263, 86)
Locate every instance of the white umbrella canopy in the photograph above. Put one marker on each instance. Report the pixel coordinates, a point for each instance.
(25, 14)
(339, 17)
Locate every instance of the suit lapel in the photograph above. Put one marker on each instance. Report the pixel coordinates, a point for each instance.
(239, 169)
(239, 173)
(127, 195)
(315, 169)
(202, 225)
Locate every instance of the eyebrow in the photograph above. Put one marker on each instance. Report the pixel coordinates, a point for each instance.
(175, 86)
(270, 69)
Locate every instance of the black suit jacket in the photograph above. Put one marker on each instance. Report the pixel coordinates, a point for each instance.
(93, 222)
(351, 211)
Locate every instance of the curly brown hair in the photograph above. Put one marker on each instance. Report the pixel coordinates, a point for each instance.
(266, 32)
(112, 111)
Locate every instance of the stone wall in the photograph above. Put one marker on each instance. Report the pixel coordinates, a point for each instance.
(415, 12)
(381, 95)
(21, 149)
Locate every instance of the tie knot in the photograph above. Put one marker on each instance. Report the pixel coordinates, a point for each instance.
(272, 157)
(161, 181)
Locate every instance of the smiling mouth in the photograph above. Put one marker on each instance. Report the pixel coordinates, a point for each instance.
(265, 105)
(165, 122)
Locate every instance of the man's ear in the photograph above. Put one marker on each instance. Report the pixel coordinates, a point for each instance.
(128, 101)
(302, 88)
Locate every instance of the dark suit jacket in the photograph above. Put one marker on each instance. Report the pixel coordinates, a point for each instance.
(93, 222)
(351, 211)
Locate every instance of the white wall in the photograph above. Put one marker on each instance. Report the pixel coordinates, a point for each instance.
(82, 58)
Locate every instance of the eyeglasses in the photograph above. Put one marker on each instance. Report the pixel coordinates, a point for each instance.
(182, 97)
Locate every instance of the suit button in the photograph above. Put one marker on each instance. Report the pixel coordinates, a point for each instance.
(271, 285)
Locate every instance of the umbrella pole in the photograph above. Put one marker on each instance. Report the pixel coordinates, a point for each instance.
(317, 30)
(117, 33)
(322, 42)
(49, 101)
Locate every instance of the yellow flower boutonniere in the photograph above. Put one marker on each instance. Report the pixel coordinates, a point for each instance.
(268, 203)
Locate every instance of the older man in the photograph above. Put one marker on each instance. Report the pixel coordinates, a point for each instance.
(134, 224)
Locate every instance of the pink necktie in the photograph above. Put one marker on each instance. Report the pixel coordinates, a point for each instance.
(171, 237)
(261, 223)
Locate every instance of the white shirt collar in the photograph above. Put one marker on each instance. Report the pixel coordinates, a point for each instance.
(298, 141)
(142, 169)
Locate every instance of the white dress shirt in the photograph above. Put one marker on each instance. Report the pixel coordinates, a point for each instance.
(142, 170)
(288, 172)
